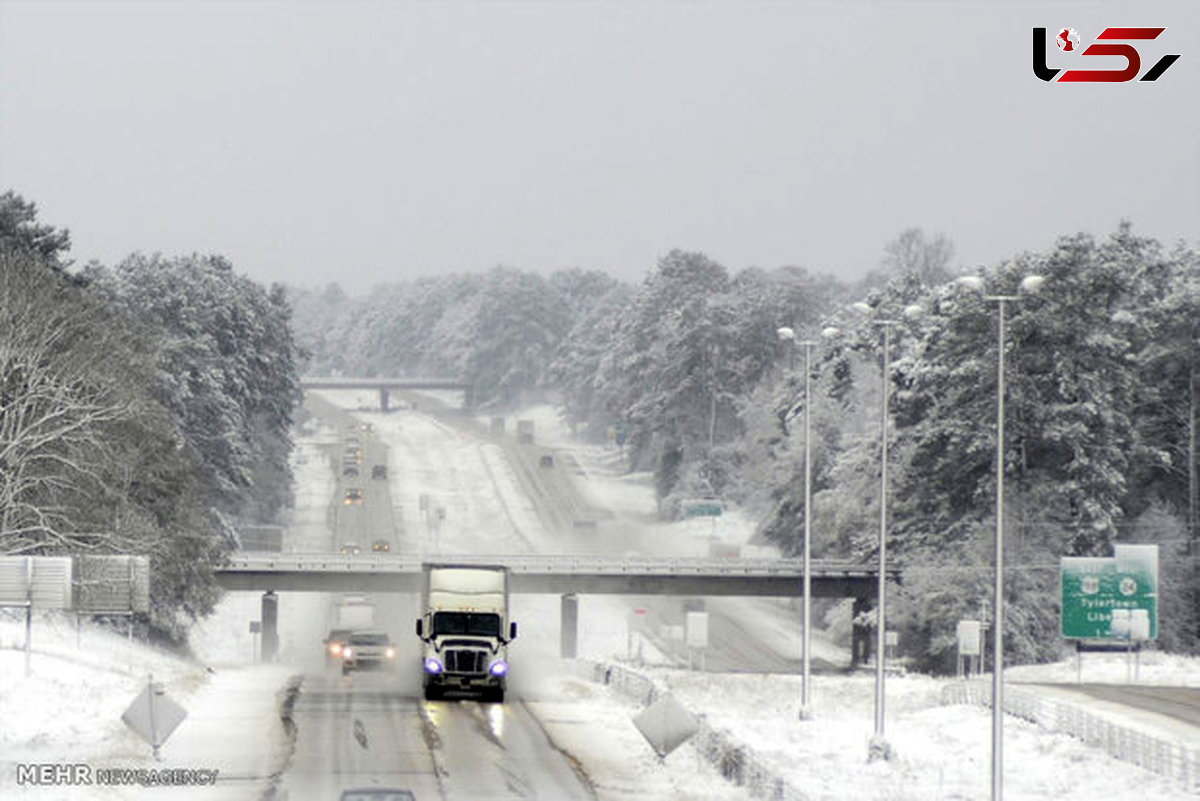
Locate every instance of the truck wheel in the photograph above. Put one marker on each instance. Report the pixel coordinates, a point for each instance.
(495, 696)
(432, 692)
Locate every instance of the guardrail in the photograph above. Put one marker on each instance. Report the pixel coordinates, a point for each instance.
(1155, 754)
(733, 760)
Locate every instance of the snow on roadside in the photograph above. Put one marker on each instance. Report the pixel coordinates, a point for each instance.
(594, 723)
(68, 711)
(943, 751)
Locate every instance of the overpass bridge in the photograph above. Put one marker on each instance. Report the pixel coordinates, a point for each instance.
(567, 576)
(385, 386)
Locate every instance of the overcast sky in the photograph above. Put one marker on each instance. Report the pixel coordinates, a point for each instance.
(364, 142)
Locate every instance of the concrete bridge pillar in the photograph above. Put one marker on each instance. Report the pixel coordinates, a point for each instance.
(568, 643)
(860, 635)
(270, 626)
(383, 399)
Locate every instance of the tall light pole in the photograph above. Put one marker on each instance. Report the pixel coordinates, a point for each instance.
(880, 609)
(878, 743)
(1030, 283)
(788, 335)
(881, 593)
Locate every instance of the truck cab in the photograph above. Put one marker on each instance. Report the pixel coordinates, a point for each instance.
(466, 631)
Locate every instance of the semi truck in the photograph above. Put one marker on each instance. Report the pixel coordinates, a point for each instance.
(353, 612)
(465, 629)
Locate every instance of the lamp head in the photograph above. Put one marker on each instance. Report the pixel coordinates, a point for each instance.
(1032, 283)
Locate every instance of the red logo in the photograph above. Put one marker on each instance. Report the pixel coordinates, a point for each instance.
(1068, 42)
(1067, 39)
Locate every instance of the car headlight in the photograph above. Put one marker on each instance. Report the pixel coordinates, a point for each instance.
(433, 666)
(390, 653)
(498, 668)
(335, 648)
(348, 652)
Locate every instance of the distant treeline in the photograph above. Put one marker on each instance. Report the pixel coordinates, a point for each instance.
(144, 408)
(689, 369)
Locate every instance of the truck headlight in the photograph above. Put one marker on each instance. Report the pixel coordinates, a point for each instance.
(335, 648)
(498, 668)
(390, 653)
(433, 666)
(348, 652)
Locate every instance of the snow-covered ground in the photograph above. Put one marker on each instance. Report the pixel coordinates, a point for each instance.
(68, 710)
(943, 752)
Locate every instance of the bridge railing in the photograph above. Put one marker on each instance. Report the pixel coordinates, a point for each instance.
(564, 564)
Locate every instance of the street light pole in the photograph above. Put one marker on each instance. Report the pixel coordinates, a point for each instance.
(879, 747)
(787, 334)
(805, 707)
(881, 602)
(998, 598)
(1031, 283)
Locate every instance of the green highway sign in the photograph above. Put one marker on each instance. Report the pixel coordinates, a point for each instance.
(1094, 588)
(702, 509)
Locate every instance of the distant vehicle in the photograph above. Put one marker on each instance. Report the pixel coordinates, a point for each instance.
(377, 794)
(353, 497)
(350, 470)
(353, 613)
(368, 649)
(546, 461)
(381, 546)
(466, 631)
(379, 471)
(334, 642)
(350, 549)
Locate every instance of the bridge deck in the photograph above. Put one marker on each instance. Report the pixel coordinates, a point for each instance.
(350, 382)
(553, 574)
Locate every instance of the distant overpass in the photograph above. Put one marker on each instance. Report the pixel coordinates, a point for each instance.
(387, 385)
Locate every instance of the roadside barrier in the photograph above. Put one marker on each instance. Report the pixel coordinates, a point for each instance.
(733, 761)
(1155, 754)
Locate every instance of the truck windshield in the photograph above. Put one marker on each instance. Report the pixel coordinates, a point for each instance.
(482, 625)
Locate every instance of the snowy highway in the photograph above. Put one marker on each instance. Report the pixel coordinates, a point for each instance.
(371, 728)
(561, 734)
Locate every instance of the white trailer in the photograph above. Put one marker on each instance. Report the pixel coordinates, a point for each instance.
(354, 614)
(466, 631)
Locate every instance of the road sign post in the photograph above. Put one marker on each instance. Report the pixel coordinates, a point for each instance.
(968, 635)
(153, 716)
